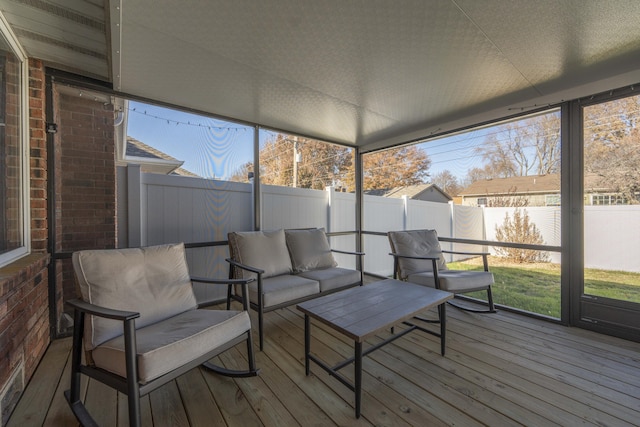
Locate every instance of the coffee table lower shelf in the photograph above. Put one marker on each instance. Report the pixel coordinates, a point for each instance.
(361, 312)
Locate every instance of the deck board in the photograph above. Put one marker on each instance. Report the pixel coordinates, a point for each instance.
(499, 369)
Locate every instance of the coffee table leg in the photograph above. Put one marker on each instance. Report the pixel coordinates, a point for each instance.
(358, 377)
(307, 343)
(443, 327)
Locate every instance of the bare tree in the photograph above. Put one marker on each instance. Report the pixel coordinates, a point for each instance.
(612, 145)
(524, 147)
(447, 182)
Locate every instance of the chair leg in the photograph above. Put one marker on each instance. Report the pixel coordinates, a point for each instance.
(133, 388)
(260, 325)
(73, 394)
(250, 355)
(229, 297)
(442, 316)
(134, 405)
(76, 356)
(492, 308)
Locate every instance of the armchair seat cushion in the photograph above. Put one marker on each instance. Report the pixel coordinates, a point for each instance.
(455, 280)
(282, 289)
(333, 278)
(166, 345)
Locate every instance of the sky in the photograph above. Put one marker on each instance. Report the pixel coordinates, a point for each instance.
(210, 148)
(216, 149)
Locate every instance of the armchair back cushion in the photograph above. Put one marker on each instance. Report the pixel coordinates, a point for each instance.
(266, 250)
(153, 281)
(309, 250)
(416, 243)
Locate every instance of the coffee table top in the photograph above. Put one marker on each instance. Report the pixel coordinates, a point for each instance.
(363, 311)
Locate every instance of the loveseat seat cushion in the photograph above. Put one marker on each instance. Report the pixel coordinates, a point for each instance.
(282, 289)
(333, 278)
(266, 250)
(153, 281)
(309, 249)
(166, 345)
(455, 280)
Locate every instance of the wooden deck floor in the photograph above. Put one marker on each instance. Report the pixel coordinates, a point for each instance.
(499, 370)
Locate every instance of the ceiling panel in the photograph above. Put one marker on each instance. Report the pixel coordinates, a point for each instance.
(67, 34)
(364, 72)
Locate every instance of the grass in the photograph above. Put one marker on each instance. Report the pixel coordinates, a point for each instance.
(536, 287)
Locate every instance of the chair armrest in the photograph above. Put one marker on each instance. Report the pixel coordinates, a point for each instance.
(244, 266)
(347, 252)
(243, 282)
(221, 281)
(434, 263)
(413, 256)
(485, 260)
(97, 310)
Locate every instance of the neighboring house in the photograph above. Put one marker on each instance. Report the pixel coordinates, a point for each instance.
(425, 192)
(539, 190)
(152, 160)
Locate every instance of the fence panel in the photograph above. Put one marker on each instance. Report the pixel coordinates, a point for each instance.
(380, 214)
(191, 210)
(429, 215)
(285, 207)
(612, 236)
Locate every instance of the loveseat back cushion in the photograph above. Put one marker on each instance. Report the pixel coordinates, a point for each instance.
(266, 250)
(153, 281)
(309, 250)
(416, 243)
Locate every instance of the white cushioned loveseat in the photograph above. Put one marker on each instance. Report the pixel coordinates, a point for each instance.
(290, 266)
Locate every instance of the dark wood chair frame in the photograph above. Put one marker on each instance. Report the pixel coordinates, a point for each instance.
(436, 277)
(130, 385)
(259, 306)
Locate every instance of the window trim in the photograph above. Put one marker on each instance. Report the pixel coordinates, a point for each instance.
(25, 249)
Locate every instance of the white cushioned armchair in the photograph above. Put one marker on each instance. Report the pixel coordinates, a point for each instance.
(139, 324)
(290, 266)
(418, 259)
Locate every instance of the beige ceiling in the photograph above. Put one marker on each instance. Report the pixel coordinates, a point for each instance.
(364, 72)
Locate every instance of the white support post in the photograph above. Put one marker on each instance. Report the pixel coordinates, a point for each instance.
(134, 206)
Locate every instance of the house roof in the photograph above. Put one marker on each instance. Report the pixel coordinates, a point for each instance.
(411, 191)
(367, 74)
(530, 184)
(153, 160)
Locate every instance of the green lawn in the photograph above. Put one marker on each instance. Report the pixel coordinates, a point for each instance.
(536, 287)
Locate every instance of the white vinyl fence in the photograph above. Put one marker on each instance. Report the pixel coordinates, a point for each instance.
(155, 209)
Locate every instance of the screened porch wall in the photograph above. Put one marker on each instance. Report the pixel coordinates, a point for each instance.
(155, 209)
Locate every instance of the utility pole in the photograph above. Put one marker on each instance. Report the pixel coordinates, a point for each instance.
(295, 161)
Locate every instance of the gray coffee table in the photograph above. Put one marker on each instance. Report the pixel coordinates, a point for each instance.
(361, 312)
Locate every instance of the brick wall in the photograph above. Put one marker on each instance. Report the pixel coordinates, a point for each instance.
(85, 173)
(84, 153)
(24, 307)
